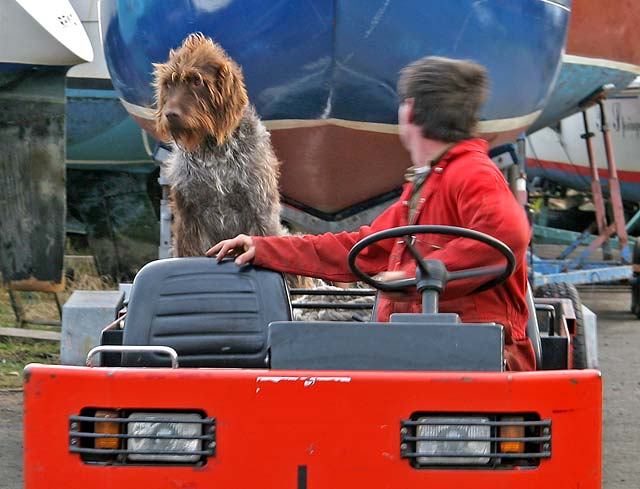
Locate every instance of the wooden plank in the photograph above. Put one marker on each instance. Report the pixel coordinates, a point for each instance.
(36, 334)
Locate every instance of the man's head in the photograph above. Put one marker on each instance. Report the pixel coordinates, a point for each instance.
(445, 96)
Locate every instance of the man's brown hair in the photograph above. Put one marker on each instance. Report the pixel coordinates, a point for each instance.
(447, 95)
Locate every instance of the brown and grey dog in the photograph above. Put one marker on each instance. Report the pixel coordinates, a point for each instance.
(223, 172)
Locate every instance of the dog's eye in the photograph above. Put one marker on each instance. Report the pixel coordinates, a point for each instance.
(196, 81)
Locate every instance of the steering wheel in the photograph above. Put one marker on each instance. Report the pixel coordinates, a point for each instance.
(430, 268)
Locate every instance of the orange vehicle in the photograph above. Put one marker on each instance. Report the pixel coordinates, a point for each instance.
(253, 399)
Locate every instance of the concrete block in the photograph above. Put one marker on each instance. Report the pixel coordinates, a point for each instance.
(84, 316)
(125, 287)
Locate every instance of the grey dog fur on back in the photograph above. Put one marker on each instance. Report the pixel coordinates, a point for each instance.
(225, 190)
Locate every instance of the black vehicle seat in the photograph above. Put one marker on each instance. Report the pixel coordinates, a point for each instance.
(533, 332)
(213, 314)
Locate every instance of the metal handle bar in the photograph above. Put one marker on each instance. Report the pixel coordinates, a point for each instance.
(124, 349)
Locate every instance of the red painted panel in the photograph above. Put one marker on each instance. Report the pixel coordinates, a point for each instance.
(606, 30)
(331, 168)
(343, 426)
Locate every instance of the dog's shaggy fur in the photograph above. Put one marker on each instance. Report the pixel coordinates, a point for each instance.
(223, 172)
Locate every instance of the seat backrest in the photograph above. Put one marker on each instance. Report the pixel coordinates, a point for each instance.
(533, 332)
(213, 314)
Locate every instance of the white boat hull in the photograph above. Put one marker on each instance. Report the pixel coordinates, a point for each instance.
(559, 154)
(36, 32)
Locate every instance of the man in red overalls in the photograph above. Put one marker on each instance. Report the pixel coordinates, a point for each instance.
(452, 182)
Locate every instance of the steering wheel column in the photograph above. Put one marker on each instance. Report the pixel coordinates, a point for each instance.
(431, 280)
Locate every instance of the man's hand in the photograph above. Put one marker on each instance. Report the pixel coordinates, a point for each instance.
(390, 276)
(399, 295)
(241, 247)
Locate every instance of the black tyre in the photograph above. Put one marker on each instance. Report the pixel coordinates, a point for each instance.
(564, 290)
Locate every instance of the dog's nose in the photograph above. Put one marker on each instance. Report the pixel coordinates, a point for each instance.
(172, 114)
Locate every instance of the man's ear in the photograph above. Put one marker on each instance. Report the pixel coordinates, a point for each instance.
(410, 102)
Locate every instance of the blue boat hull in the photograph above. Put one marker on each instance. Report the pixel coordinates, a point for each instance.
(100, 133)
(575, 83)
(322, 74)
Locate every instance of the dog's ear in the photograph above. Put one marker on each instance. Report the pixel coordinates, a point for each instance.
(232, 100)
(161, 72)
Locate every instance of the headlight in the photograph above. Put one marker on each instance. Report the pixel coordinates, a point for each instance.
(453, 441)
(164, 440)
(481, 441)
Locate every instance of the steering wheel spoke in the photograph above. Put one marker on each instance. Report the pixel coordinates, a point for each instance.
(395, 285)
(476, 272)
(416, 255)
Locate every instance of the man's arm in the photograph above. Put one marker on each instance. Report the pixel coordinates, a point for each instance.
(322, 256)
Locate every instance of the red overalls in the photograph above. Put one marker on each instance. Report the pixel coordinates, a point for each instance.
(464, 189)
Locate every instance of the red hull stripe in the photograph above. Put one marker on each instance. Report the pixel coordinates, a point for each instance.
(623, 175)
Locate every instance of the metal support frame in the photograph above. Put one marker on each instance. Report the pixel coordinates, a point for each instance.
(614, 183)
(631, 224)
(605, 230)
(161, 156)
(596, 192)
(554, 271)
(581, 270)
(521, 181)
(551, 235)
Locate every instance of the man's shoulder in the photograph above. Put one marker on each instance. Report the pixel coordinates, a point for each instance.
(467, 146)
(472, 162)
(474, 170)
(469, 149)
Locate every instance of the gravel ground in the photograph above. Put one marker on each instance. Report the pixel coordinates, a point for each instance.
(11, 439)
(618, 343)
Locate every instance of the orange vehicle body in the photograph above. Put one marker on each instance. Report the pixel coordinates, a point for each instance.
(310, 429)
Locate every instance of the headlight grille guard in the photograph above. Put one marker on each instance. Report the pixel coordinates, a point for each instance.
(537, 439)
(82, 437)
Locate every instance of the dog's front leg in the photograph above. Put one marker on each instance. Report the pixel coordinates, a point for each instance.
(187, 240)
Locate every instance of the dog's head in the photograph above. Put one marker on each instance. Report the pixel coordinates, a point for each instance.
(200, 92)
